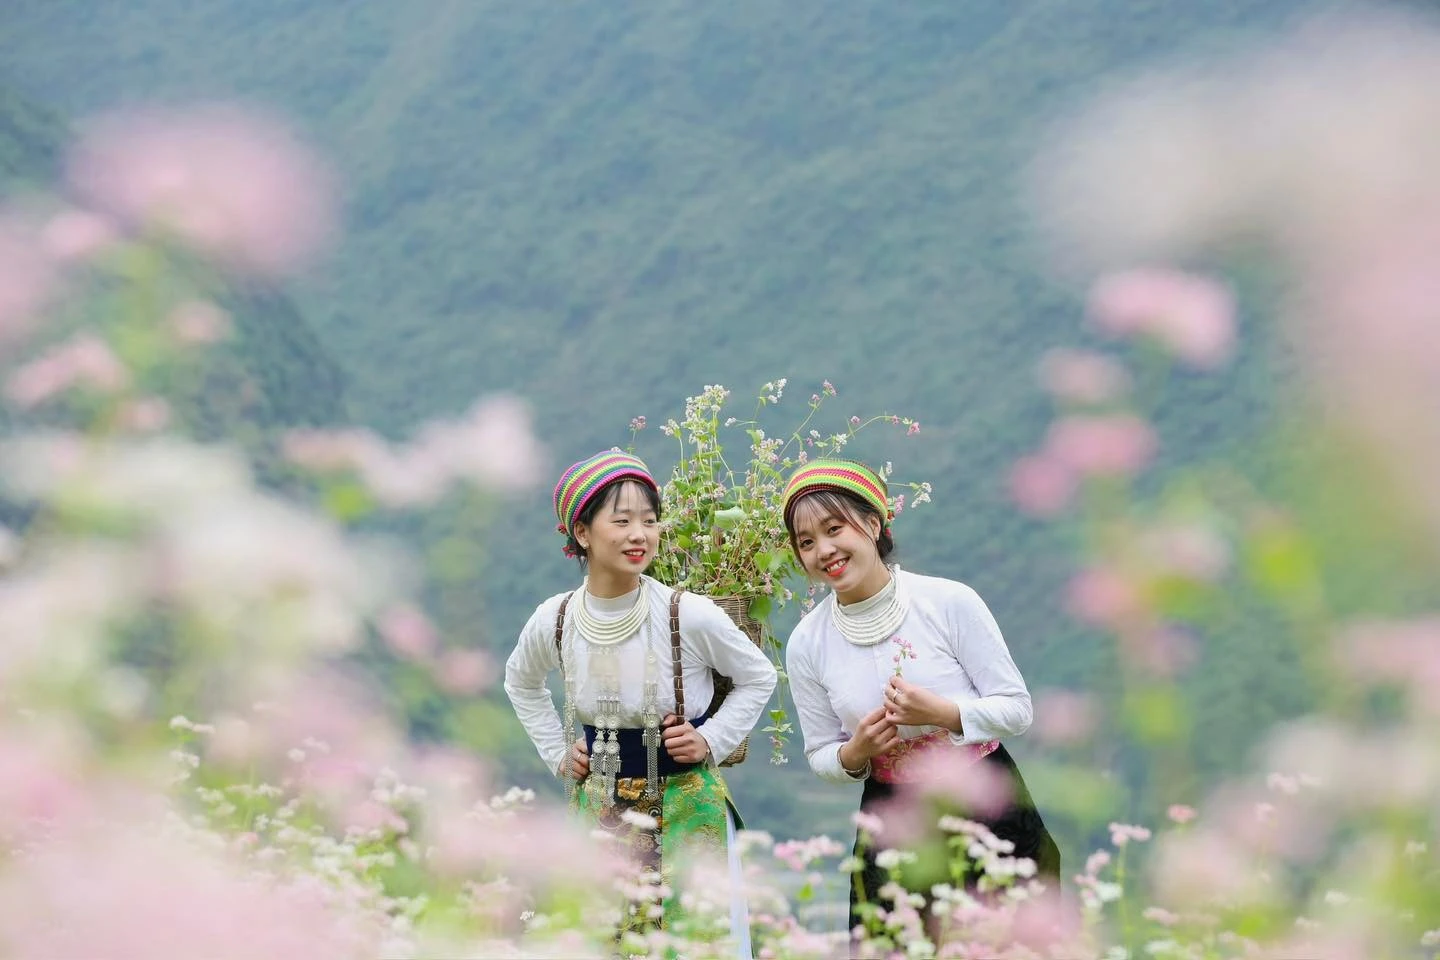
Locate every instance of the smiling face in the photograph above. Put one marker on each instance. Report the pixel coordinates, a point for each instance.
(619, 536)
(835, 539)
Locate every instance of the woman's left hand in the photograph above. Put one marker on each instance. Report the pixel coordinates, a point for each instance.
(682, 741)
(914, 706)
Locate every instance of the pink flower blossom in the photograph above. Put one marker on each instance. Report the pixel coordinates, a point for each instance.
(1179, 813)
(980, 788)
(1403, 653)
(1189, 549)
(199, 322)
(1048, 924)
(83, 360)
(1083, 376)
(1064, 717)
(27, 279)
(1042, 486)
(1197, 867)
(133, 893)
(144, 415)
(42, 777)
(1102, 445)
(408, 632)
(1194, 317)
(76, 234)
(914, 429)
(235, 183)
(465, 671)
(1122, 833)
(1162, 650)
(1103, 597)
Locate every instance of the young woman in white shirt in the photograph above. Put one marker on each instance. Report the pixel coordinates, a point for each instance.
(949, 699)
(628, 648)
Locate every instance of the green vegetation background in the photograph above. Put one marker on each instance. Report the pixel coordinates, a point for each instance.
(603, 206)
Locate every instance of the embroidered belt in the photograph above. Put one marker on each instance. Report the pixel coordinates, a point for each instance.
(632, 751)
(902, 764)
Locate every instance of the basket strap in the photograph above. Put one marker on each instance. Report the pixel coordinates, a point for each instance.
(560, 630)
(675, 653)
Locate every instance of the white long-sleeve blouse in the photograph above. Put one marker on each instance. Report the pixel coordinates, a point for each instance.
(959, 653)
(708, 638)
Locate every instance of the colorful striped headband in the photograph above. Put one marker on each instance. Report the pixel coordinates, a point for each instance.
(847, 476)
(582, 481)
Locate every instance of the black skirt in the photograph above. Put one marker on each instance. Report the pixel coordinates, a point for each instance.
(1019, 822)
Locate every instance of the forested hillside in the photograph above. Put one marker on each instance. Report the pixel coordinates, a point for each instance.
(273, 374)
(605, 205)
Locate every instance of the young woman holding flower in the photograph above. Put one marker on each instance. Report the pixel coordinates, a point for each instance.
(638, 662)
(899, 678)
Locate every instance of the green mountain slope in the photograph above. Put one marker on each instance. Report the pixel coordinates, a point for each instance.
(605, 205)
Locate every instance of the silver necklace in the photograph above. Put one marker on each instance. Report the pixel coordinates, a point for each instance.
(607, 633)
(873, 619)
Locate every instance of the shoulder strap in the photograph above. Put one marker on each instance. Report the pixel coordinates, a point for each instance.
(675, 653)
(560, 629)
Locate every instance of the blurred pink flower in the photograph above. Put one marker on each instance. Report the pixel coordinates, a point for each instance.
(1042, 486)
(1179, 813)
(980, 788)
(76, 234)
(329, 451)
(1103, 597)
(465, 672)
(199, 322)
(1064, 717)
(536, 848)
(408, 632)
(1082, 376)
(1192, 316)
(1049, 924)
(1163, 650)
(144, 415)
(1190, 549)
(27, 278)
(83, 359)
(234, 182)
(132, 893)
(1101, 445)
(1200, 866)
(1266, 825)
(42, 779)
(1122, 833)
(493, 445)
(1402, 653)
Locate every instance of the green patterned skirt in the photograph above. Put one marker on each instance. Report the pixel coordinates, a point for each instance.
(690, 814)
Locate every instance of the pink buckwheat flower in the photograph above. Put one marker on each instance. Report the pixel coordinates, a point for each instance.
(1041, 485)
(1191, 316)
(1094, 445)
(236, 184)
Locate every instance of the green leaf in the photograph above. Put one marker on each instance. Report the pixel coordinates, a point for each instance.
(347, 500)
(761, 607)
(729, 518)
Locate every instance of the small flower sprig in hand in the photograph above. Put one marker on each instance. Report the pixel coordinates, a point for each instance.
(724, 525)
(903, 651)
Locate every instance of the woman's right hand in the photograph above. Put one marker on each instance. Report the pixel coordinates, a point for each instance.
(874, 735)
(579, 760)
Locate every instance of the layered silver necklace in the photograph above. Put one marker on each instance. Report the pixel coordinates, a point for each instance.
(604, 636)
(875, 618)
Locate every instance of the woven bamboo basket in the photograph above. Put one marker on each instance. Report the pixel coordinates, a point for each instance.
(737, 608)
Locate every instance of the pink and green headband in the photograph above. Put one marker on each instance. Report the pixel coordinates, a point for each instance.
(846, 476)
(582, 481)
